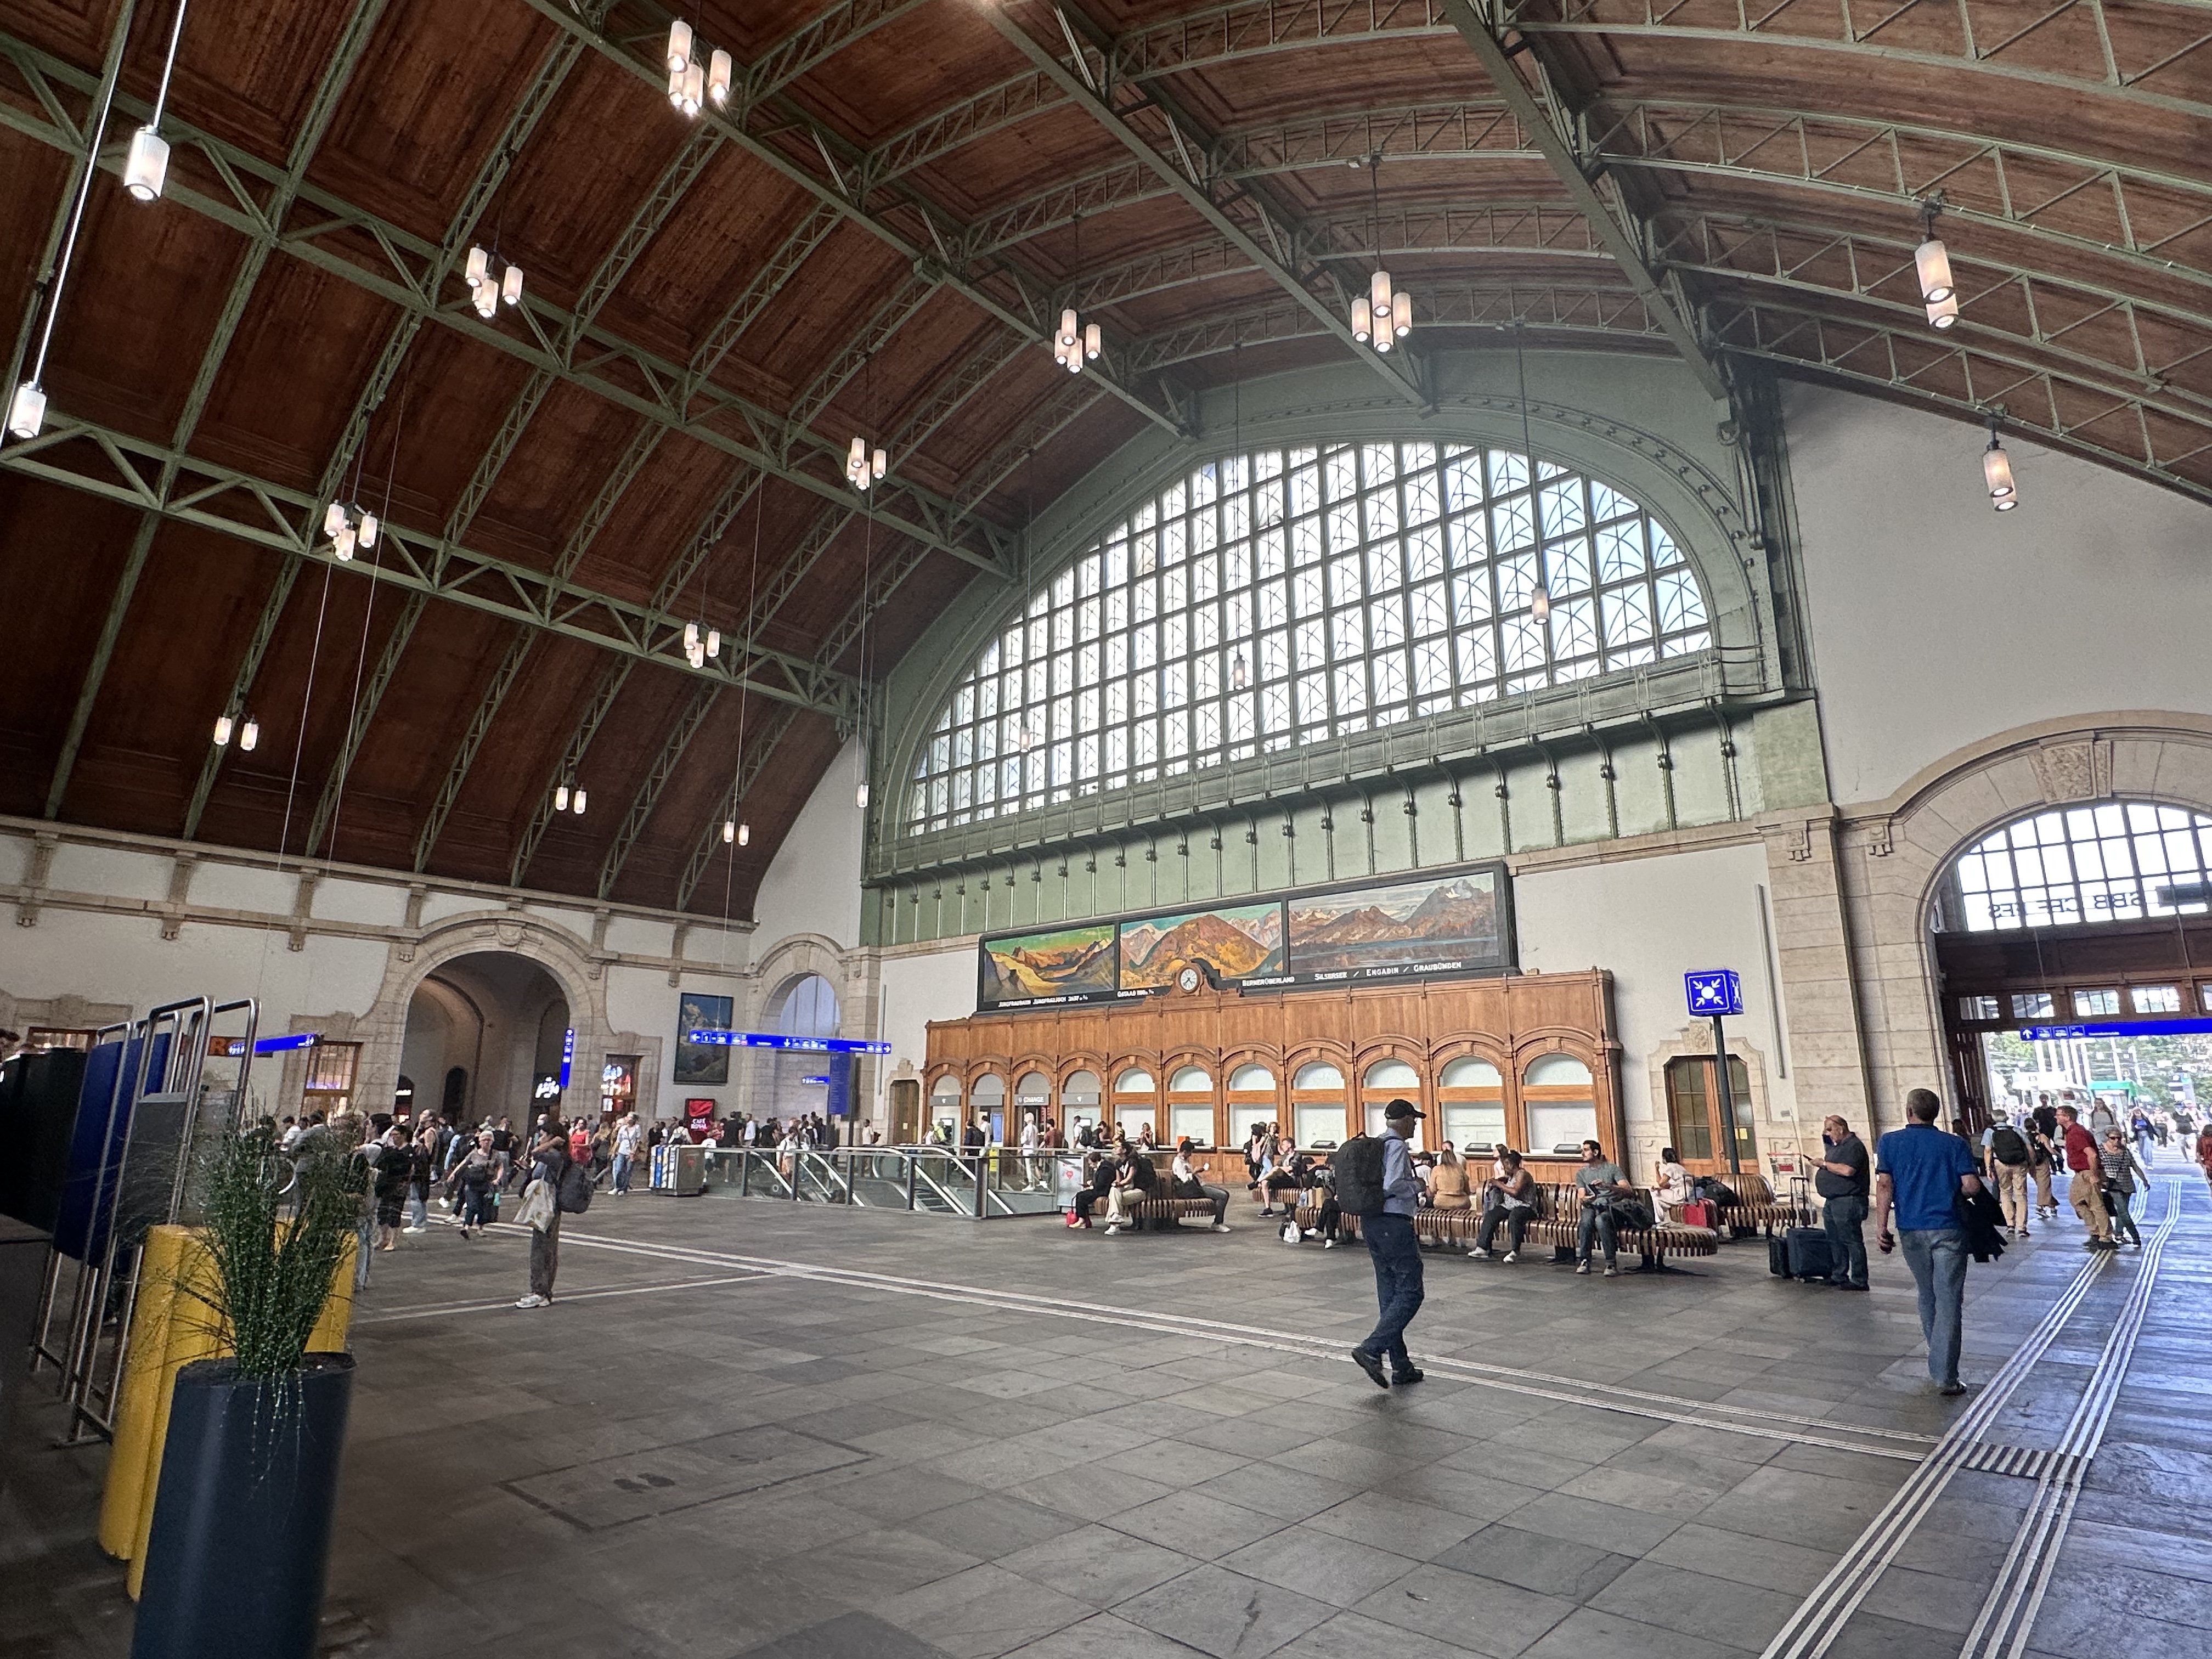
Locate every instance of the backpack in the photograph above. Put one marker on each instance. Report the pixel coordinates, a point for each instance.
(573, 1196)
(1358, 1167)
(2006, 1146)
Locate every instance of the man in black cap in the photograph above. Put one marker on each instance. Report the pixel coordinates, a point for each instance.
(1396, 1252)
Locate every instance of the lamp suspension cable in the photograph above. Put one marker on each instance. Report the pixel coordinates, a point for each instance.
(1931, 264)
(146, 168)
(1238, 673)
(26, 407)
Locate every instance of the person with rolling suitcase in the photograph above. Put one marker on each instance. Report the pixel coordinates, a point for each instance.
(1844, 1183)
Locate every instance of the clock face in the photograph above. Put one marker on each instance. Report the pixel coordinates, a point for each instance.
(1188, 979)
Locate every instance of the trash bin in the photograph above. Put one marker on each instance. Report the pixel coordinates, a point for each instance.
(691, 1172)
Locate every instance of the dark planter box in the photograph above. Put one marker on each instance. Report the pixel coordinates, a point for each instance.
(241, 1534)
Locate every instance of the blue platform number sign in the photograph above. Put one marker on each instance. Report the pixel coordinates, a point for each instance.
(568, 1054)
(1714, 992)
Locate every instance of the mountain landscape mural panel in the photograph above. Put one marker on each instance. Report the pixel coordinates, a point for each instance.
(1452, 922)
(1069, 963)
(1236, 941)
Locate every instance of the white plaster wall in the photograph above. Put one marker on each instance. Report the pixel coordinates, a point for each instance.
(813, 886)
(109, 870)
(1651, 920)
(375, 904)
(1937, 622)
(937, 984)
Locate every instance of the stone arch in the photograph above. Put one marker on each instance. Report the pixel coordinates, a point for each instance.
(562, 954)
(1892, 856)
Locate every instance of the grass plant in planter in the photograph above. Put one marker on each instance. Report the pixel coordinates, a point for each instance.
(239, 1546)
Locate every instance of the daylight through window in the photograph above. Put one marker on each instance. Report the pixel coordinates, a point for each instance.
(2117, 863)
(1300, 594)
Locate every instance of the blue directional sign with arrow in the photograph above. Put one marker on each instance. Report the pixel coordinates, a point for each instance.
(1714, 992)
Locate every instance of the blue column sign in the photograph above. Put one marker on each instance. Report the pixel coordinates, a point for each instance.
(567, 1055)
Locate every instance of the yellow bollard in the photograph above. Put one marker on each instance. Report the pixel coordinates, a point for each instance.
(170, 1329)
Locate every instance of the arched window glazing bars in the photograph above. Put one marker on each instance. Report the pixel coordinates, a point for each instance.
(1298, 595)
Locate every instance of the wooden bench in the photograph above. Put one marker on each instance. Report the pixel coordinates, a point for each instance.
(1760, 1211)
(1163, 1214)
(1558, 1225)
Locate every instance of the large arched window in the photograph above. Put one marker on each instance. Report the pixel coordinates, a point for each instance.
(1300, 594)
(2123, 861)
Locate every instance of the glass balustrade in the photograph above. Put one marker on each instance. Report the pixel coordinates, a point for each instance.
(982, 1185)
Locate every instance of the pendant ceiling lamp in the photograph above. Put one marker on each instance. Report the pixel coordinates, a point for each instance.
(1075, 342)
(699, 644)
(491, 279)
(567, 798)
(863, 466)
(1931, 263)
(1996, 469)
(146, 168)
(27, 405)
(248, 731)
(351, 529)
(1384, 314)
(696, 76)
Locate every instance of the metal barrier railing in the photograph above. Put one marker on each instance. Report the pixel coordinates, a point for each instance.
(981, 1185)
(138, 1180)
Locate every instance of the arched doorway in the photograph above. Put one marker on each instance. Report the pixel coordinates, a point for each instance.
(790, 1084)
(2074, 948)
(491, 1026)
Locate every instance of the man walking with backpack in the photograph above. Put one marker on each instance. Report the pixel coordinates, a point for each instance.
(2006, 1152)
(1375, 1181)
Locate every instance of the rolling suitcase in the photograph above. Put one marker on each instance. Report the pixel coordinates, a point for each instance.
(1777, 1255)
(1810, 1256)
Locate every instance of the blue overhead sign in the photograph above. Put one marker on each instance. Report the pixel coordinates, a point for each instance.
(1714, 992)
(774, 1040)
(2116, 1028)
(275, 1045)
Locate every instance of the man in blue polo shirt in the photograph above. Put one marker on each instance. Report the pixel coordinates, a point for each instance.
(1922, 1172)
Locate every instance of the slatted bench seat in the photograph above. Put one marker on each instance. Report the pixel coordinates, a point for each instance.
(1761, 1211)
(1162, 1213)
(1557, 1225)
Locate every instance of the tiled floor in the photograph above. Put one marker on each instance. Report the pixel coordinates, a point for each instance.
(1009, 1440)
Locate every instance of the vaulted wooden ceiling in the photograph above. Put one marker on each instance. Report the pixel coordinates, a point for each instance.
(876, 236)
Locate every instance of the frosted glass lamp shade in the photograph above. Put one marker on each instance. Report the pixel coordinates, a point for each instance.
(485, 299)
(1539, 604)
(334, 518)
(342, 543)
(479, 266)
(1363, 319)
(714, 641)
(249, 735)
(1942, 313)
(744, 834)
(26, 411)
(510, 285)
(1997, 472)
(729, 832)
(860, 795)
(679, 47)
(1068, 328)
(1378, 292)
(1931, 262)
(718, 77)
(369, 529)
(579, 802)
(879, 463)
(560, 798)
(1092, 340)
(1401, 313)
(695, 88)
(148, 164)
(223, 724)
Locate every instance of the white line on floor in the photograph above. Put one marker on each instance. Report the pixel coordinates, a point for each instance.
(440, 1311)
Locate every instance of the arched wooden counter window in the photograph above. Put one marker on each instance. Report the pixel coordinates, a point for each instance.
(1388, 1080)
(1079, 1103)
(1032, 1101)
(1190, 1105)
(945, 1104)
(986, 1100)
(1136, 1102)
(1560, 1099)
(1471, 1098)
(1253, 1097)
(1317, 1104)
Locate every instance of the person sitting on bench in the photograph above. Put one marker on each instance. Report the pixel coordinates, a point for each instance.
(1510, 1198)
(1328, 1224)
(1604, 1183)
(1134, 1180)
(1101, 1182)
(1185, 1184)
(1283, 1183)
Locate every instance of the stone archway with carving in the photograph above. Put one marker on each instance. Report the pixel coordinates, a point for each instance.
(1891, 857)
(564, 955)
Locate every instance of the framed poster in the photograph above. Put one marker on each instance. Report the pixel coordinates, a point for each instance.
(706, 1064)
(1236, 941)
(1458, 923)
(1071, 964)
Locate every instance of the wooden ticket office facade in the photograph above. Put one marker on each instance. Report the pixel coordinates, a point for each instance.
(1496, 1062)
